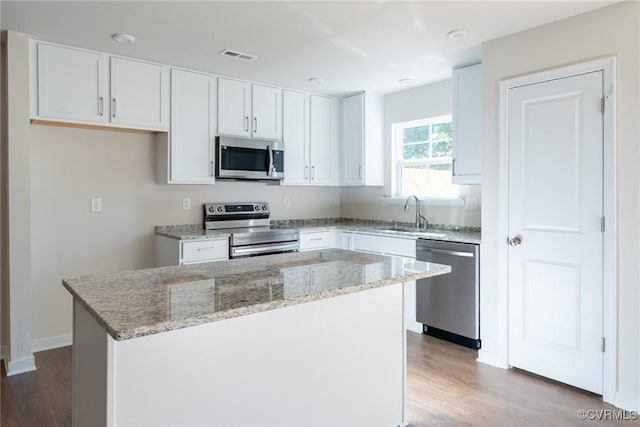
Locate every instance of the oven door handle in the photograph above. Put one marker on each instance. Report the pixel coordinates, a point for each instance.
(259, 249)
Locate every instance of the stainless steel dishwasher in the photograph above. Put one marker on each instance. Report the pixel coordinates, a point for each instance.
(449, 305)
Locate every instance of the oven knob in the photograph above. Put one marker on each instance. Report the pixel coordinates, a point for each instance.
(264, 207)
(211, 209)
(220, 209)
(256, 207)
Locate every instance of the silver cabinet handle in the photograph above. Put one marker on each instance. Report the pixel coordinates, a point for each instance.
(360, 171)
(101, 106)
(255, 124)
(210, 248)
(516, 241)
(212, 168)
(313, 172)
(113, 107)
(453, 167)
(306, 172)
(315, 239)
(246, 123)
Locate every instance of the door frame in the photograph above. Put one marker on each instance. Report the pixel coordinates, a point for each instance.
(609, 295)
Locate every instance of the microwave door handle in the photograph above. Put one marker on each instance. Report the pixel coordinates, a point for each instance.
(270, 170)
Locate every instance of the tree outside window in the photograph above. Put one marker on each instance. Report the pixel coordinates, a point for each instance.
(424, 158)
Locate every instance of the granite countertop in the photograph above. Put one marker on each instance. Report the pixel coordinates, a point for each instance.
(144, 302)
(459, 234)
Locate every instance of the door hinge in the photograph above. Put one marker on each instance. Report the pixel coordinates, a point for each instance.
(602, 224)
(602, 346)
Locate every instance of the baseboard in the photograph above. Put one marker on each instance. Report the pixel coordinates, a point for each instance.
(51, 342)
(21, 366)
(413, 326)
(491, 359)
(627, 401)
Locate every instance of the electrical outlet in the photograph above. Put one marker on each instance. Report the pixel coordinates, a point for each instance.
(471, 203)
(186, 204)
(96, 204)
(287, 202)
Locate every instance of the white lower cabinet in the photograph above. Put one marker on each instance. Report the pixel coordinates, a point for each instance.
(169, 251)
(385, 245)
(313, 240)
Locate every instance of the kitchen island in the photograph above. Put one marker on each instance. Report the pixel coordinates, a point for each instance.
(313, 338)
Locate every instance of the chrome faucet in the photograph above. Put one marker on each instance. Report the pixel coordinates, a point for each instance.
(420, 220)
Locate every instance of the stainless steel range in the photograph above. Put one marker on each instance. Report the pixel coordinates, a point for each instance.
(248, 224)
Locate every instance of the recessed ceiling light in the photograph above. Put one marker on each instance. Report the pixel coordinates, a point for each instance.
(123, 38)
(458, 34)
(316, 80)
(405, 81)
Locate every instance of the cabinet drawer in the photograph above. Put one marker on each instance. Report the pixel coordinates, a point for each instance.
(384, 245)
(316, 240)
(205, 250)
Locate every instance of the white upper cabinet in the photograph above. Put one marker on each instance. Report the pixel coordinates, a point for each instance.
(72, 84)
(467, 125)
(295, 135)
(234, 107)
(193, 125)
(249, 110)
(323, 140)
(139, 94)
(267, 112)
(85, 87)
(363, 140)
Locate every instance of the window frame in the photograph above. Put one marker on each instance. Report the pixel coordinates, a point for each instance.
(398, 161)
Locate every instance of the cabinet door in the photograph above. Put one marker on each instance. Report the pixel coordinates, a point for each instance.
(139, 94)
(295, 135)
(267, 112)
(467, 126)
(193, 102)
(352, 140)
(234, 98)
(72, 84)
(323, 140)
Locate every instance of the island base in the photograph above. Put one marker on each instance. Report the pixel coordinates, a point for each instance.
(335, 361)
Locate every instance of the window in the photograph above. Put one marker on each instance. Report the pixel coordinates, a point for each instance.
(423, 154)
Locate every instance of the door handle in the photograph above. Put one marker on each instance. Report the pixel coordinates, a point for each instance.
(255, 124)
(306, 172)
(516, 241)
(246, 123)
(101, 106)
(113, 103)
(271, 168)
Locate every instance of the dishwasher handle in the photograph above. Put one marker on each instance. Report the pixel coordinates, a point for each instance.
(445, 252)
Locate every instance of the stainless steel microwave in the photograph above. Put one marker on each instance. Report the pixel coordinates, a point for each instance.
(249, 159)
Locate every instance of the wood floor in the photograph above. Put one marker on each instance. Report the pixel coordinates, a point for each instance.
(446, 387)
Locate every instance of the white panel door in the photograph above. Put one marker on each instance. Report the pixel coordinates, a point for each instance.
(139, 94)
(234, 107)
(267, 112)
(555, 136)
(352, 140)
(323, 140)
(193, 101)
(72, 84)
(295, 135)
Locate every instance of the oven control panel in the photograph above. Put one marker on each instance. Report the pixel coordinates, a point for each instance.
(235, 215)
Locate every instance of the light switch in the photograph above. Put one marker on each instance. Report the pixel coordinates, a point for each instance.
(96, 204)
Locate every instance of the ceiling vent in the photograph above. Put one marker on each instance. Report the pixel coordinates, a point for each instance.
(238, 55)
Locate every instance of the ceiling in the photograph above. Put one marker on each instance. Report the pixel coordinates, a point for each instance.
(353, 46)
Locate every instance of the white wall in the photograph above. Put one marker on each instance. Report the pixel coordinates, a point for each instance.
(412, 104)
(614, 30)
(69, 166)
